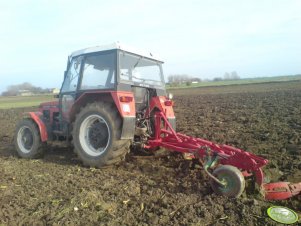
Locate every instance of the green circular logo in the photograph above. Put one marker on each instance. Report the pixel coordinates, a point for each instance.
(282, 215)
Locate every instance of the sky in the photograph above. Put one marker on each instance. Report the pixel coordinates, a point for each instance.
(201, 38)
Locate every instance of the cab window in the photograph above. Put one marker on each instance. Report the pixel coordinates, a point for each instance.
(99, 72)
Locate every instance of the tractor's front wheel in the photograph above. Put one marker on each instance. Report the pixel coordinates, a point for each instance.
(27, 139)
(232, 179)
(96, 135)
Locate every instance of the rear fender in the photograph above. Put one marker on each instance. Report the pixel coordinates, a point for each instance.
(125, 109)
(124, 102)
(35, 116)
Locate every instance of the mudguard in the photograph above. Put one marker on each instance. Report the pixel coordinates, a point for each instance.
(35, 116)
(125, 103)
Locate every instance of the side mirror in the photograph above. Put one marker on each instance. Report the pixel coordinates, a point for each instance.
(56, 96)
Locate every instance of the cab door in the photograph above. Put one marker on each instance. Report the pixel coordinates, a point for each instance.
(69, 88)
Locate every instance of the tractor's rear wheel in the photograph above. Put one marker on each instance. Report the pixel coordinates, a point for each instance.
(234, 181)
(96, 135)
(27, 139)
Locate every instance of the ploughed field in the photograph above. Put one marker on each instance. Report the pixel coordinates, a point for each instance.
(57, 189)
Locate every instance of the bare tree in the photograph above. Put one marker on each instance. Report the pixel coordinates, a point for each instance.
(231, 76)
(227, 76)
(177, 79)
(234, 75)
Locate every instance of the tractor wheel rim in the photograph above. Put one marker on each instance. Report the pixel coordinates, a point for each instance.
(25, 139)
(94, 135)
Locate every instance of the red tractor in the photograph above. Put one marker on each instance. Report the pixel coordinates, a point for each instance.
(114, 98)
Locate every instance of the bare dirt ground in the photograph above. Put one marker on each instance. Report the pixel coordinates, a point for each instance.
(58, 190)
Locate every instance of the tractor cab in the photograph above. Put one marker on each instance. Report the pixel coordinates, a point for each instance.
(115, 67)
(112, 67)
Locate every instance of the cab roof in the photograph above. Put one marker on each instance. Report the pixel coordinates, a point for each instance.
(115, 45)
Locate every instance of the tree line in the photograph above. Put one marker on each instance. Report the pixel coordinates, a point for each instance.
(177, 79)
(26, 87)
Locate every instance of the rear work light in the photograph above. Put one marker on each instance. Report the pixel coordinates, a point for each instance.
(125, 99)
(168, 103)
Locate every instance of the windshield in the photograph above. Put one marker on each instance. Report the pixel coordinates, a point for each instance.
(140, 70)
(71, 79)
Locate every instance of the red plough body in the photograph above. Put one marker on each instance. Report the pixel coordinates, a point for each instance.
(281, 190)
(248, 163)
